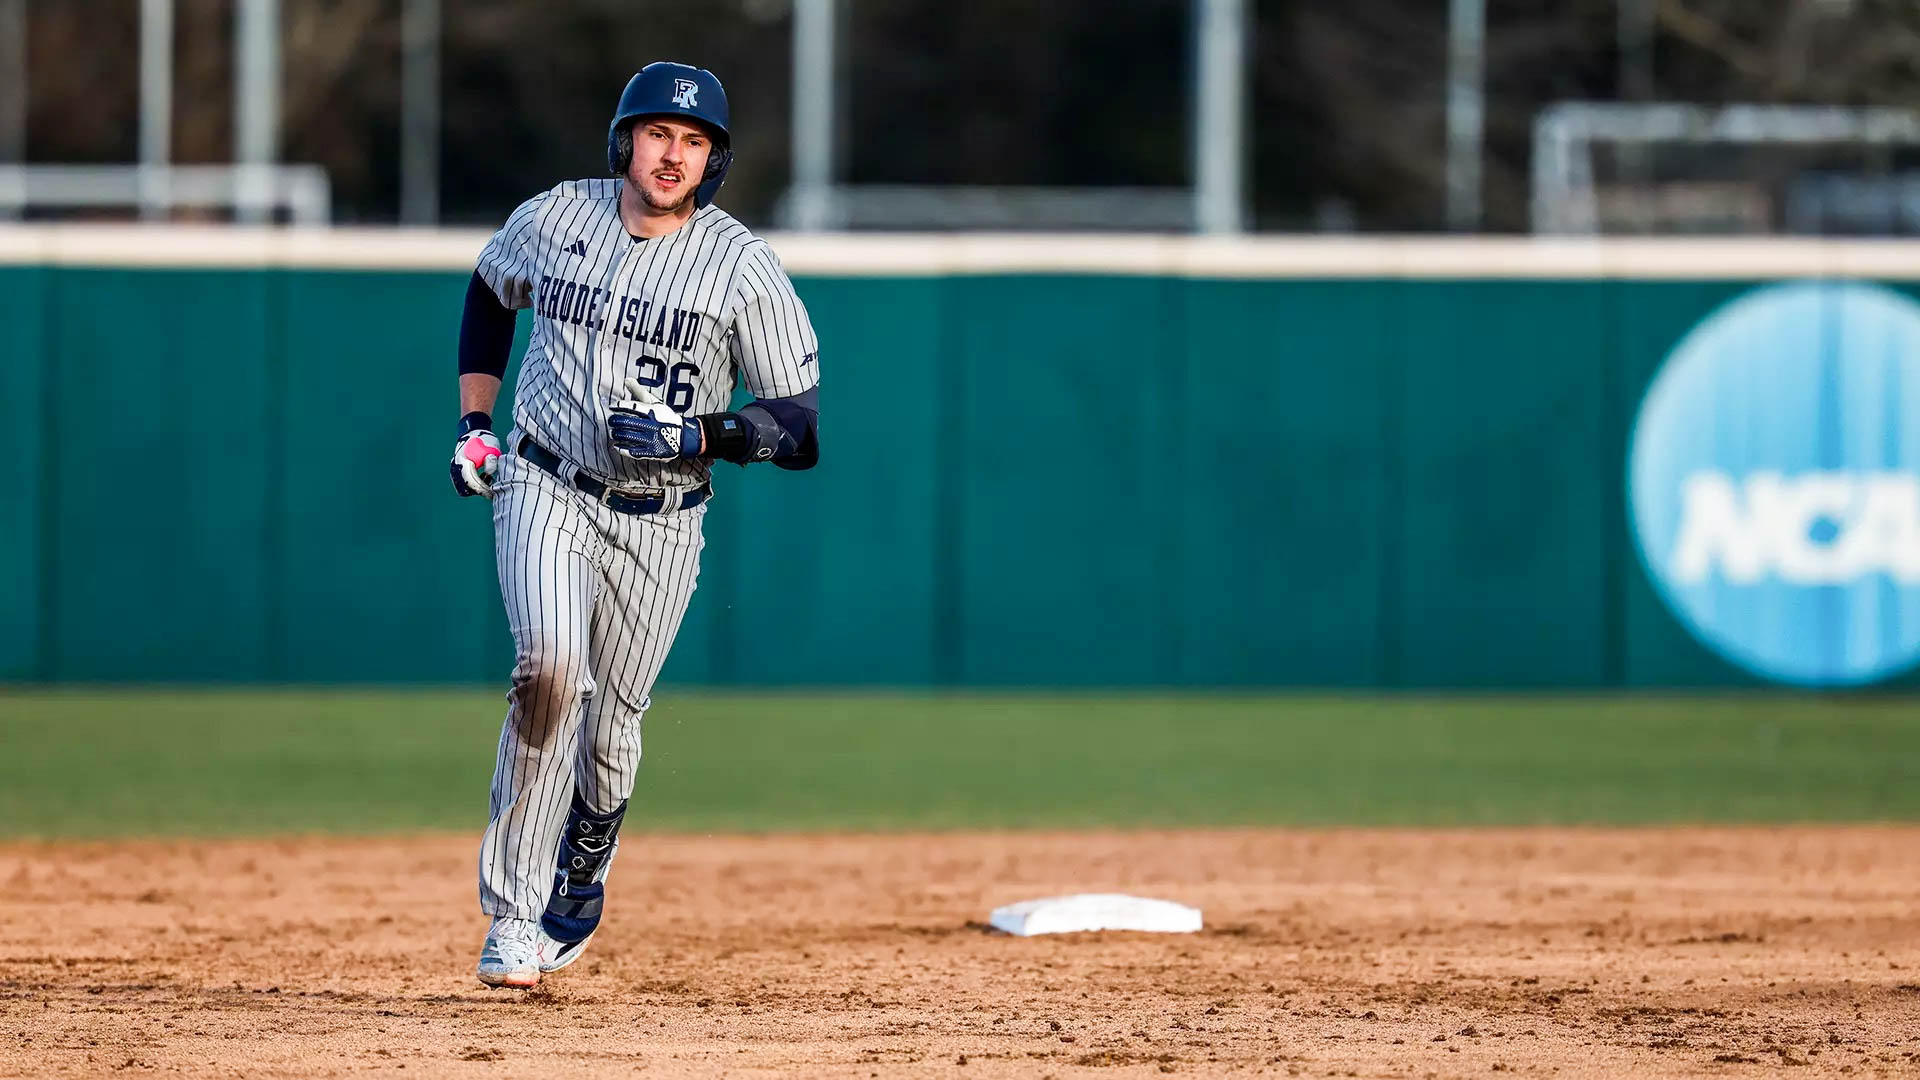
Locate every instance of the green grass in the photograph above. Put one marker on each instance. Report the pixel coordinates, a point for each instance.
(105, 763)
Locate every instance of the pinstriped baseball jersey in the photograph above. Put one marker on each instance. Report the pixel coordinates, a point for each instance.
(690, 313)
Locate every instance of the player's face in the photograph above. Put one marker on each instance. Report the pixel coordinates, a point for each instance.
(669, 158)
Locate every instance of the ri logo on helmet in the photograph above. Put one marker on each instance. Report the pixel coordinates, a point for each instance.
(685, 93)
(1774, 482)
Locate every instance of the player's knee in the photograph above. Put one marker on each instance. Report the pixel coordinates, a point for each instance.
(547, 690)
(537, 709)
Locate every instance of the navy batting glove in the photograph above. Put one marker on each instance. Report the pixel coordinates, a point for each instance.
(641, 435)
(644, 427)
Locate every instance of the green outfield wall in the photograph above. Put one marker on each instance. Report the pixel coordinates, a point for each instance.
(1028, 478)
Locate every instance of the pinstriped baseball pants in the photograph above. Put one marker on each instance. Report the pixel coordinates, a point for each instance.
(594, 599)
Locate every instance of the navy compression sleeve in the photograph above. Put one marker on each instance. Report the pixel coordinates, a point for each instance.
(486, 331)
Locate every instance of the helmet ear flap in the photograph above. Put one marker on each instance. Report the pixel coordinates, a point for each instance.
(716, 174)
(623, 149)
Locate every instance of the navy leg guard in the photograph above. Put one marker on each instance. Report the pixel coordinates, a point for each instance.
(579, 892)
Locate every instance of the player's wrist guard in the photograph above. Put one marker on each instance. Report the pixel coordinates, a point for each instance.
(474, 421)
(725, 436)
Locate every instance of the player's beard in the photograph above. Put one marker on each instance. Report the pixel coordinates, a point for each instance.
(653, 200)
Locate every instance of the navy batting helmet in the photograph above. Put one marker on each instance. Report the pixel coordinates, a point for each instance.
(668, 89)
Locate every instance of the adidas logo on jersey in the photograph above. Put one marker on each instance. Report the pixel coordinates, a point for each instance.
(578, 247)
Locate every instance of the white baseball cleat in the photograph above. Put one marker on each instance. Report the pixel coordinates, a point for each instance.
(511, 956)
(555, 954)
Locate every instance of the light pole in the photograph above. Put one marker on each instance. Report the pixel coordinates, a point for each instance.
(256, 103)
(1219, 129)
(420, 112)
(156, 105)
(1466, 112)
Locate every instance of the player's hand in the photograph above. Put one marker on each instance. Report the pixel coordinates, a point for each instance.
(476, 462)
(644, 427)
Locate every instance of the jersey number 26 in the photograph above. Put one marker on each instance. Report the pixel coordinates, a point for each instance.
(678, 380)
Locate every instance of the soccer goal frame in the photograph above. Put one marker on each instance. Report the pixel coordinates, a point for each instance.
(1566, 199)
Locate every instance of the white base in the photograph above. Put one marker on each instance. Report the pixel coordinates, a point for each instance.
(1095, 911)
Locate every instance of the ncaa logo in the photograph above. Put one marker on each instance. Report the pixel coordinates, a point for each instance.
(1774, 482)
(685, 91)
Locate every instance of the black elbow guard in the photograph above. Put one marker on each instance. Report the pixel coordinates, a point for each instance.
(795, 430)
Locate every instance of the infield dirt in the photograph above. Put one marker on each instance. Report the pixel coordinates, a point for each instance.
(1574, 953)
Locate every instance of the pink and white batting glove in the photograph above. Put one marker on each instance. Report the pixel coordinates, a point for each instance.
(476, 463)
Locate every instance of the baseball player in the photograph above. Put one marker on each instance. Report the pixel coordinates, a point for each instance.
(650, 305)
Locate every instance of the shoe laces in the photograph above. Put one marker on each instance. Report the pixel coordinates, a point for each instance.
(515, 931)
